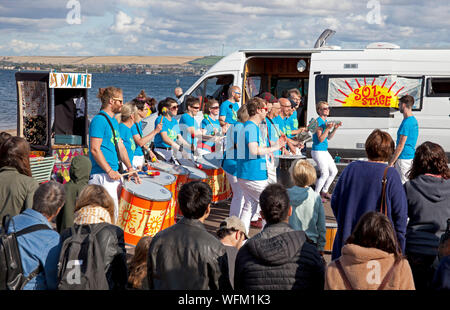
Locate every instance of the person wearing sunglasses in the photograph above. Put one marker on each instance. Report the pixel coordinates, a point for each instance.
(325, 131)
(169, 138)
(252, 169)
(106, 148)
(228, 109)
(287, 127)
(140, 140)
(189, 126)
(210, 126)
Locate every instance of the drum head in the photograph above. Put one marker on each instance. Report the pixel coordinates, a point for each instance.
(148, 190)
(163, 178)
(292, 157)
(211, 160)
(196, 173)
(169, 168)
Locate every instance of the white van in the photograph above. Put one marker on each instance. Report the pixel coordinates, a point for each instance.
(362, 87)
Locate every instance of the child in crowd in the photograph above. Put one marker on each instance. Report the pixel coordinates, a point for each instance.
(137, 278)
(308, 213)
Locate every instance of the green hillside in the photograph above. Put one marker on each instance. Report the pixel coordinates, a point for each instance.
(206, 61)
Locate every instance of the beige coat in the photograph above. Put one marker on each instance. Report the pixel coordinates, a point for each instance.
(366, 268)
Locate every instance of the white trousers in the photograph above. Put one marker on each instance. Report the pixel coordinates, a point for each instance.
(403, 166)
(251, 191)
(271, 170)
(237, 202)
(111, 187)
(138, 161)
(327, 168)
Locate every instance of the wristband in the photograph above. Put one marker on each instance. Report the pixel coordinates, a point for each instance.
(109, 171)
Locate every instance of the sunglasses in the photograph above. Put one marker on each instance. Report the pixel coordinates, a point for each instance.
(214, 108)
(196, 108)
(174, 108)
(117, 99)
(265, 109)
(325, 109)
(237, 93)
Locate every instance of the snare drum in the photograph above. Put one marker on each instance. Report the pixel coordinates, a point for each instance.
(284, 164)
(169, 181)
(181, 173)
(329, 236)
(142, 209)
(216, 177)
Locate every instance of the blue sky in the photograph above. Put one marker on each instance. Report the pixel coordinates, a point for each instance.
(202, 27)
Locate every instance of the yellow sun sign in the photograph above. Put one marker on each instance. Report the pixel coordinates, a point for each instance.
(383, 91)
(370, 95)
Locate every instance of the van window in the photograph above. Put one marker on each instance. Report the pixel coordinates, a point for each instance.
(438, 87)
(368, 95)
(253, 85)
(217, 87)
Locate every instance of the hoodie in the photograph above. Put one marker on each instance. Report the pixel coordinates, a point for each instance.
(80, 170)
(279, 258)
(428, 210)
(366, 268)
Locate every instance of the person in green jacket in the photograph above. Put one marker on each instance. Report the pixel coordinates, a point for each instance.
(80, 169)
(17, 186)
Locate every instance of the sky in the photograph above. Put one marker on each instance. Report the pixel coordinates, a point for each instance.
(210, 27)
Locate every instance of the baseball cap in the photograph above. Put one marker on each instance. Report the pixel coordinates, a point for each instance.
(233, 222)
(268, 97)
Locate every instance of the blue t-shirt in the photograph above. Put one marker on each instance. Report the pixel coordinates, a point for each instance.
(230, 114)
(210, 128)
(409, 128)
(320, 146)
(274, 132)
(170, 127)
(187, 121)
(251, 167)
(294, 119)
(100, 128)
(128, 140)
(134, 132)
(231, 153)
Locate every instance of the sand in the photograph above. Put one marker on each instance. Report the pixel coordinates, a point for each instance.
(102, 60)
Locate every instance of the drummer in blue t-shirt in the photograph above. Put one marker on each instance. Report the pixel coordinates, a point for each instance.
(102, 149)
(141, 141)
(252, 169)
(188, 124)
(228, 108)
(169, 138)
(210, 126)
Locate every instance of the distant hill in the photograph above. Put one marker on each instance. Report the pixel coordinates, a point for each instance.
(102, 60)
(206, 61)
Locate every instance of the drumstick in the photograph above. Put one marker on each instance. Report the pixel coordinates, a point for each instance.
(163, 112)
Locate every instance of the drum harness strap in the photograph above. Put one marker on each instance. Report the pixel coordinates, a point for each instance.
(120, 170)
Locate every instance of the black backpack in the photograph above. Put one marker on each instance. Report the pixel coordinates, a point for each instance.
(11, 271)
(81, 263)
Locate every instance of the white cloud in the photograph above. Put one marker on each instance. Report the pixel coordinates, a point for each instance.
(125, 24)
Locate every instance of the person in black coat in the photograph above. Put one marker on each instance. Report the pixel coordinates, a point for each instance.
(95, 207)
(186, 256)
(278, 258)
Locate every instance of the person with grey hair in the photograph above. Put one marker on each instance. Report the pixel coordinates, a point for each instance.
(228, 108)
(39, 249)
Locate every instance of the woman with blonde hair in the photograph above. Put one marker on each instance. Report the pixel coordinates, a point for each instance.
(319, 152)
(308, 213)
(143, 110)
(128, 116)
(94, 212)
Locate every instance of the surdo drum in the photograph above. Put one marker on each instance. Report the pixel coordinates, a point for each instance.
(142, 209)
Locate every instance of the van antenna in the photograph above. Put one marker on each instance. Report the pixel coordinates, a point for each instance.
(326, 34)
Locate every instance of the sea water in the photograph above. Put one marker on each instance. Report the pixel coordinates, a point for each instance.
(156, 86)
